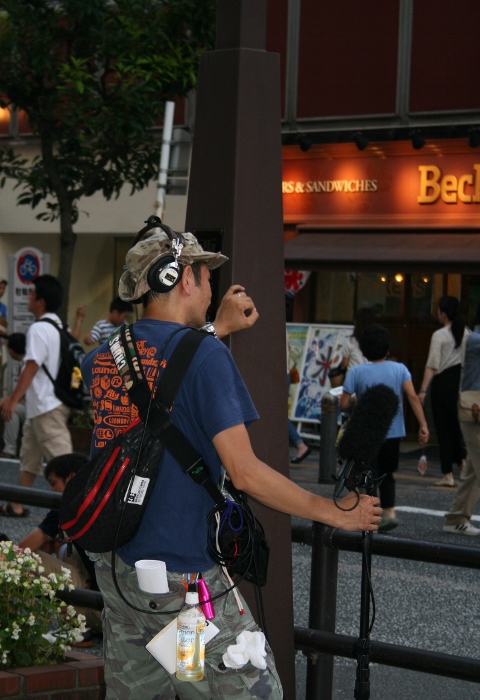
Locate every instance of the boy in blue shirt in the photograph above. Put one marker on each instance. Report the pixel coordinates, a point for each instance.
(375, 345)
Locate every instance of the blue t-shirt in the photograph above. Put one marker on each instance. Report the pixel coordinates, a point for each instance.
(393, 374)
(212, 398)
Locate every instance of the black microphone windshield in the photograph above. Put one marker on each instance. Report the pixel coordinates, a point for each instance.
(369, 424)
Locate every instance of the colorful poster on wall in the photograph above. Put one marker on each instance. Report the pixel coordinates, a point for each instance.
(315, 349)
(296, 342)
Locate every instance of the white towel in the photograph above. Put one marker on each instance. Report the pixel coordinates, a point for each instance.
(250, 646)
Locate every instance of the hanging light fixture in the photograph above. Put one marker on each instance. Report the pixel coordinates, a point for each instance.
(418, 140)
(474, 137)
(361, 140)
(304, 143)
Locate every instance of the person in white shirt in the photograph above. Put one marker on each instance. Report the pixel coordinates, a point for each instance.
(11, 432)
(442, 372)
(45, 433)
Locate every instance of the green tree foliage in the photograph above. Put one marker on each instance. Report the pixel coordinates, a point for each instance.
(93, 77)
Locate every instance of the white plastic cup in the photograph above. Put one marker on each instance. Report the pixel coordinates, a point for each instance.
(152, 576)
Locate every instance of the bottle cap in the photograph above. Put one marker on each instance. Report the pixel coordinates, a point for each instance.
(191, 598)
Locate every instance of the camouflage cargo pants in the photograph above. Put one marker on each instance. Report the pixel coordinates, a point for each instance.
(131, 673)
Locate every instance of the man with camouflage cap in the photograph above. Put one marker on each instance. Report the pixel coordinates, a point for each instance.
(213, 410)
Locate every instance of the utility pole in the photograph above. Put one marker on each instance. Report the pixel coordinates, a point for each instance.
(235, 202)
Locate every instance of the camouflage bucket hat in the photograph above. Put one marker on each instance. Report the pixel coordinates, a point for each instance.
(133, 282)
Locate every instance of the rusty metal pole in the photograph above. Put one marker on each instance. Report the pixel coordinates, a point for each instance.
(322, 613)
(235, 201)
(328, 435)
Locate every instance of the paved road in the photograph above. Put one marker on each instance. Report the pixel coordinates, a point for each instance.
(421, 605)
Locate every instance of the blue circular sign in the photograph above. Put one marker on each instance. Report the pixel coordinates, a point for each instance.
(28, 267)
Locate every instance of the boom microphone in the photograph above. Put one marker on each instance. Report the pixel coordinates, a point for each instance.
(364, 434)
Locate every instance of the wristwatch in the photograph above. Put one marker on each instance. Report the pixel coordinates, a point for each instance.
(209, 328)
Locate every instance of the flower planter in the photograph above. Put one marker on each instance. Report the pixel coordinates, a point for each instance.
(78, 677)
(81, 438)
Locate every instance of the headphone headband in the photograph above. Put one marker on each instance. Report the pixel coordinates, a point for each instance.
(156, 222)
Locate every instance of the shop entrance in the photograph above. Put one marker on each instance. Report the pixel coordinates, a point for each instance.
(405, 303)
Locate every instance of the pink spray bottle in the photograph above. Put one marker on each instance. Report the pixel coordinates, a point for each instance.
(203, 595)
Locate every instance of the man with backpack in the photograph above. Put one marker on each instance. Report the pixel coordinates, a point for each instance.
(212, 408)
(45, 433)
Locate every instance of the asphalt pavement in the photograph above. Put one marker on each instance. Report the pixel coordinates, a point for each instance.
(420, 605)
(427, 606)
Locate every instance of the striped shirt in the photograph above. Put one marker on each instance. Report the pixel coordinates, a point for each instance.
(101, 331)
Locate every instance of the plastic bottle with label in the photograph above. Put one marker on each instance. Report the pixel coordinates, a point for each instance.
(191, 639)
(422, 465)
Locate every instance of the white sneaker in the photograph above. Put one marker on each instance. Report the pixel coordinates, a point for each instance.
(462, 529)
(445, 481)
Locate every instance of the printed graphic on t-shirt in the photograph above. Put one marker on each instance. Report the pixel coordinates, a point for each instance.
(110, 401)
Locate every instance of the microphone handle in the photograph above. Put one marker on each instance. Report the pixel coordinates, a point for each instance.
(347, 465)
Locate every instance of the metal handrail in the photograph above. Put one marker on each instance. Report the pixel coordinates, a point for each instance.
(30, 497)
(411, 658)
(414, 550)
(320, 645)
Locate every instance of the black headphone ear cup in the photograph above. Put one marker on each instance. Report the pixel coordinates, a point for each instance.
(164, 275)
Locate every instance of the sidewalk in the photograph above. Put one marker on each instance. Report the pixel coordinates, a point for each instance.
(410, 452)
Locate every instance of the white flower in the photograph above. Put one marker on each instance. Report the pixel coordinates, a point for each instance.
(21, 573)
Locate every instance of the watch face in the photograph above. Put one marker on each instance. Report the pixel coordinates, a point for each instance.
(210, 328)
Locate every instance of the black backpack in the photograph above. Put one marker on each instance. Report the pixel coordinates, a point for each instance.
(68, 385)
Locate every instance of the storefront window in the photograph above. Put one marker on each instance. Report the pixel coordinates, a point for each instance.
(472, 298)
(334, 297)
(421, 296)
(384, 293)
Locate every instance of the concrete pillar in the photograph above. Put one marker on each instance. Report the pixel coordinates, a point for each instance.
(235, 202)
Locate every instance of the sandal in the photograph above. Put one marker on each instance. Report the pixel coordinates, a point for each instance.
(8, 512)
(297, 460)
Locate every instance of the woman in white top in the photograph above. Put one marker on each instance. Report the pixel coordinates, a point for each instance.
(351, 353)
(443, 369)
